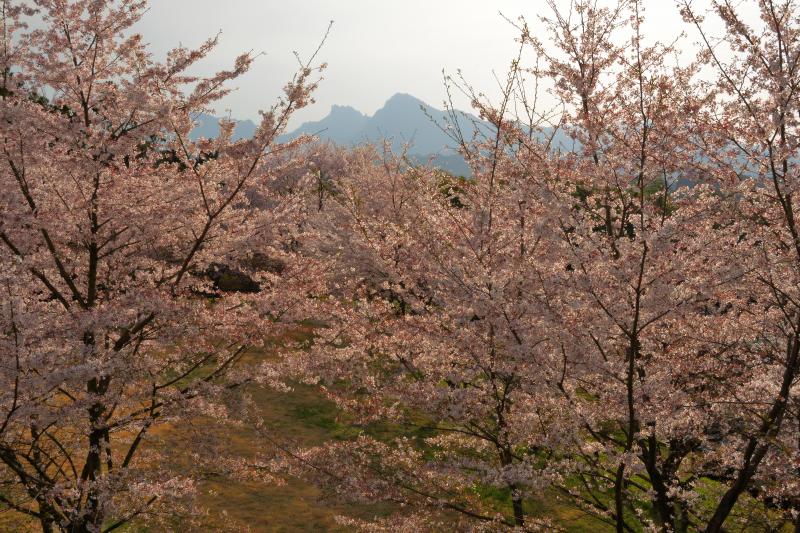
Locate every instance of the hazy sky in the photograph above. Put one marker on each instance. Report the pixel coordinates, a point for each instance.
(376, 47)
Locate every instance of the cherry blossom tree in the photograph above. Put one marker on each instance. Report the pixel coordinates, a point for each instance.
(110, 221)
(751, 124)
(436, 340)
(569, 323)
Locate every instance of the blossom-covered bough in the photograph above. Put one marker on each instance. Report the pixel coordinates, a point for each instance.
(110, 220)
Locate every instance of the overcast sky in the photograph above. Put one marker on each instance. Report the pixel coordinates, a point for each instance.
(376, 47)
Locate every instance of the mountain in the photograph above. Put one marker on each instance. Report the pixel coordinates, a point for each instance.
(406, 119)
(343, 125)
(403, 120)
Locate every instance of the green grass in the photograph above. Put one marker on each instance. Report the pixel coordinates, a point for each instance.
(308, 419)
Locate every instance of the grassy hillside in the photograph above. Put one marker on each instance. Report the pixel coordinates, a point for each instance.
(306, 417)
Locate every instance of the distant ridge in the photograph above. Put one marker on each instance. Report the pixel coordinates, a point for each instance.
(405, 121)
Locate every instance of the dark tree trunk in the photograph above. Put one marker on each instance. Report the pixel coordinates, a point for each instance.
(516, 502)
